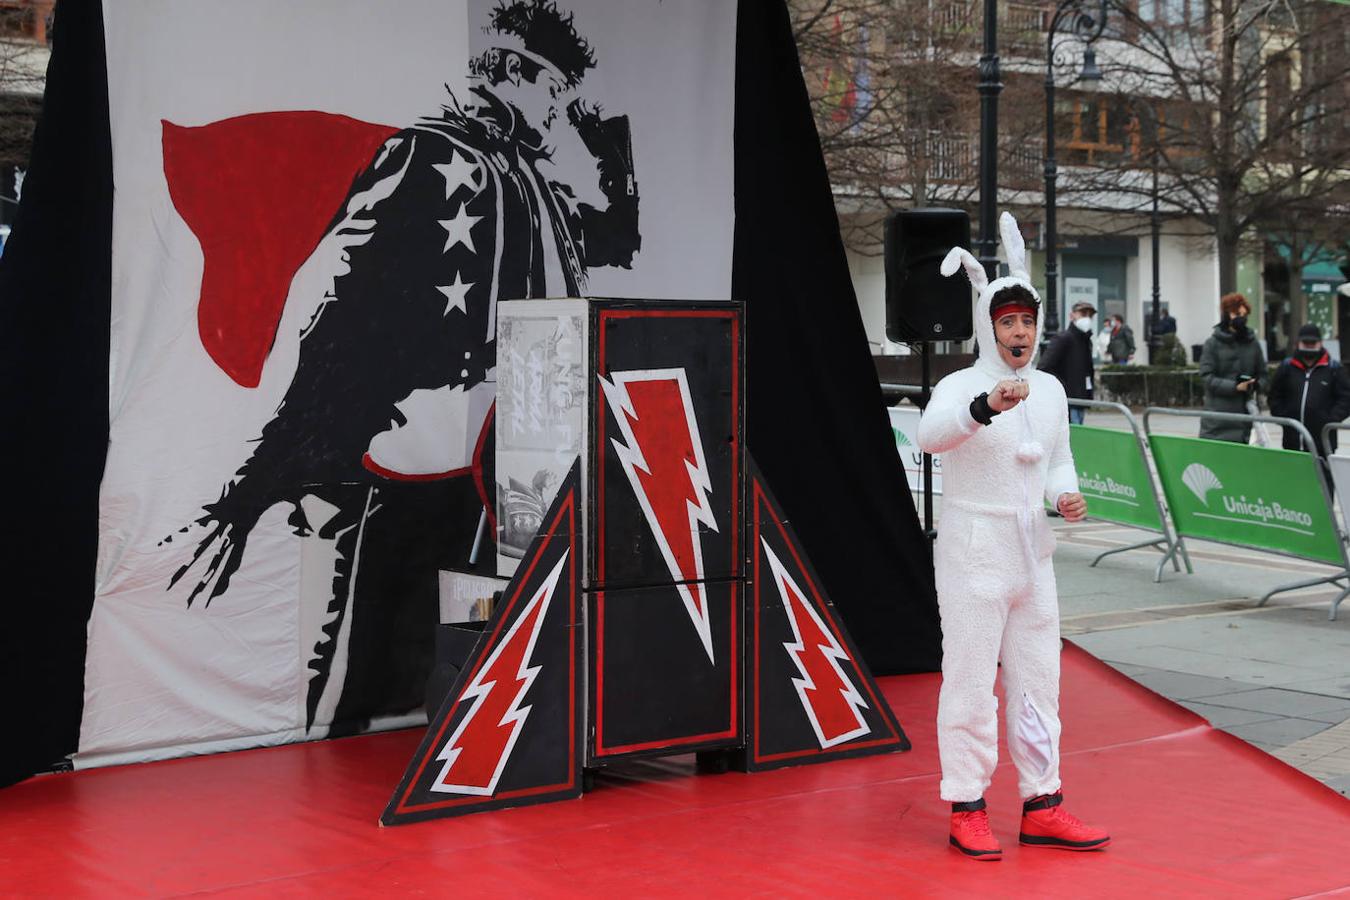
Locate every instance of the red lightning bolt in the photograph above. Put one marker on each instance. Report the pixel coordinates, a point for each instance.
(831, 701)
(476, 753)
(662, 455)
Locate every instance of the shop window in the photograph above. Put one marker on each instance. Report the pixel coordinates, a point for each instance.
(1279, 86)
(1174, 14)
(1098, 279)
(17, 20)
(1098, 130)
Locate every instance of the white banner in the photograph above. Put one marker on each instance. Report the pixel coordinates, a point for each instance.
(318, 204)
(1340, 476)
(905, 428)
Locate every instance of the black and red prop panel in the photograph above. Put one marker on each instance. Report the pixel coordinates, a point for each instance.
(809, 694)
(509, 732)
(665, 615)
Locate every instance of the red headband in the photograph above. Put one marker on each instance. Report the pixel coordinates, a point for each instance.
(1013, 309)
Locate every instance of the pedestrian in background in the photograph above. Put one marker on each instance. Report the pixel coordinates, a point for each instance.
(1069, 358)
(1102, 341)
(1120, 349)
(1233, 368)
(1165, 324)
(1311, 387)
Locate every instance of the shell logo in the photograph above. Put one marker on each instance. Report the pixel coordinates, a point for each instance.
(1201, 480)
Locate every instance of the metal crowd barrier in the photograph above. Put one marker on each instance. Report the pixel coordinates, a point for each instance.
(1205, 480)
(889, 389)
(1169, 543)
(1327, 429)
(1340, 488)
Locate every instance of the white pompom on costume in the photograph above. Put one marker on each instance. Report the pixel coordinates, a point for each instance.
(995, 581)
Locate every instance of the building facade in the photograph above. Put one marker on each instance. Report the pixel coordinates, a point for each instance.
(1110, 135)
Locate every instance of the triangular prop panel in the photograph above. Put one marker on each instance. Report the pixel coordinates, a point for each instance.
(810, 697)
(509, 732)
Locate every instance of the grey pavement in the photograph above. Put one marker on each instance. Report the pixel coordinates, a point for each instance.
(1276, 676)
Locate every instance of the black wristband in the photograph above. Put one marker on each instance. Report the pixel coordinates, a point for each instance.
(981, 411)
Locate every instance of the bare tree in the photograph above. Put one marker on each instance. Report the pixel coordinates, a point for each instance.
(24, 26)
(893, 88)
(1244, 108)
(1311, 227)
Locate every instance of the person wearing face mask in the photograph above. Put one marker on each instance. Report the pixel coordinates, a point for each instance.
(1311, 387)
(1120, 347)
(1233, 368)
(1069, 358)
(1003, 432)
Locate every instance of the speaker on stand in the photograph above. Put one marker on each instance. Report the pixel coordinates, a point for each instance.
(921, 304)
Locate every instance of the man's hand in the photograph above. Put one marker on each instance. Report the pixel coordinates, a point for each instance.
(1007, 394)
(1245, 386)
(1072, 507)
(610, 142)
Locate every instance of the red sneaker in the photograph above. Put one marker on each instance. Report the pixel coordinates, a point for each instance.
(1046, 824)
(971, 834)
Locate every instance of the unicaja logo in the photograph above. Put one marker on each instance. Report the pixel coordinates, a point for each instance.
(1201, 480)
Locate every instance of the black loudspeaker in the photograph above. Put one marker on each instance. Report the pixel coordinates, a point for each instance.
(922, 305)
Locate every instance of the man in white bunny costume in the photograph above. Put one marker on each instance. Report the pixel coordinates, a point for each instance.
(1002, 429)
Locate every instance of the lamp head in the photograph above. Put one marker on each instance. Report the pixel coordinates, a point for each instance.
(1090, 71)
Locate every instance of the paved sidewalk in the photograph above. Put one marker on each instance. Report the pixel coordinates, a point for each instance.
(1276, 676)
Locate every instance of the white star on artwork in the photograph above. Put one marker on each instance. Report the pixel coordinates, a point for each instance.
(454, 295)
(459, 172)
(457, 230)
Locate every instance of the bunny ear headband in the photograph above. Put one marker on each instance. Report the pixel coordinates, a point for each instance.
(959, 256)
(1013, 246)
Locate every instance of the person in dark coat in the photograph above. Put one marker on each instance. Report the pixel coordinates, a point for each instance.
(1233, 368)
(1069, 358)
(1311, 387)
(453, 213)
(1120, 349)
(1166, 323)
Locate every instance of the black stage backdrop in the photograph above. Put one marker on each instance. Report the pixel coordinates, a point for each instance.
(816, 423)
(55, 281)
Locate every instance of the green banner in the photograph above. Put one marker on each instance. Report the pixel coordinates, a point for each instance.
(1254, 496)
(1113, 476)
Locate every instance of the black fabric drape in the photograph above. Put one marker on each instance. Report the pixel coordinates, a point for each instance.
(816, 420)
(55, 280)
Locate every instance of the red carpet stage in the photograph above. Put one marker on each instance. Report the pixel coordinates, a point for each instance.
(1193, 812)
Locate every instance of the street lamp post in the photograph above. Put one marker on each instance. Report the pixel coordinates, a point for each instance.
(1088, 27)
(989, 88)
(1155, 241)
(1147, 116)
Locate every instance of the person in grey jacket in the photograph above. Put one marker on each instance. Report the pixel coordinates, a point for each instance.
(1233, 369)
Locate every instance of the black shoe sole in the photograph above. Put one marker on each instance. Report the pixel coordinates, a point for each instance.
(1032, 840)
(982, 855)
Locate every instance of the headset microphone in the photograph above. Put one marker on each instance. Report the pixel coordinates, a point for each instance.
(1015, 351)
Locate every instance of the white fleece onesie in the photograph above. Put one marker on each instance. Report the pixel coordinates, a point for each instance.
(995, 582)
